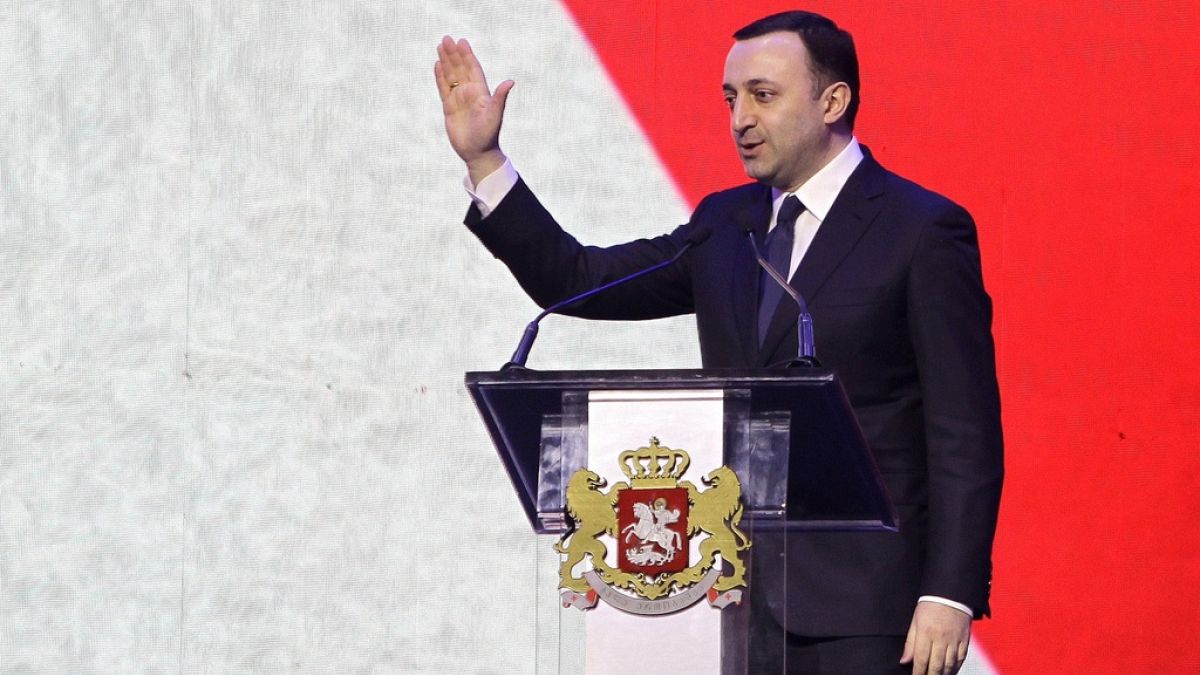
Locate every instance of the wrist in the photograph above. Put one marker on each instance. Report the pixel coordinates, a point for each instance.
(484, 165)
(947, 603)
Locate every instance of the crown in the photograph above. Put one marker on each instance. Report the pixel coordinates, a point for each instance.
(655, 465)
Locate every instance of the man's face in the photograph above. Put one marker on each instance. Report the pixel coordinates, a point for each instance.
(778, 122)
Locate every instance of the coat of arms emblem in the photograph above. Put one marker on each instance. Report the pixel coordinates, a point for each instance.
(651, 520)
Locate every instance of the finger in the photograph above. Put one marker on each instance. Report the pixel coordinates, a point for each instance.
(910, 644)
(937, 659)
(443, 63)
(458, 60)
(474, 70)
(450, 55)
(953, 661)
(444, 47)
(921, 650)
(440, 77)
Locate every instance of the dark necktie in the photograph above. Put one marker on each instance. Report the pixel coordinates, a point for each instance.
(779, 254)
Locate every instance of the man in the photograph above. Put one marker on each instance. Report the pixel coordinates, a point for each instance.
(892, 275)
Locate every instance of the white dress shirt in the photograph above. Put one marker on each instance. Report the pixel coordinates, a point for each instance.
(817, 194)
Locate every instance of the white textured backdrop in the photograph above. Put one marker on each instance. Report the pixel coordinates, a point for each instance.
(236, 303)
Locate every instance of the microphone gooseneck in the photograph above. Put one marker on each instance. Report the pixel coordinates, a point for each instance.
(806, 347)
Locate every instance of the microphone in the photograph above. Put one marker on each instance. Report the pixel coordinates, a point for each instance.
(807, 350)
(694, 238)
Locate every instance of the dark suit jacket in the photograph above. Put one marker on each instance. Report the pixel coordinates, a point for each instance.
(894, 286)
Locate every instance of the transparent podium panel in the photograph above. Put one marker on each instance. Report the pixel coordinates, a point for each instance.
(604, 640)
(758, 449)
(563, 452)
(560, 631)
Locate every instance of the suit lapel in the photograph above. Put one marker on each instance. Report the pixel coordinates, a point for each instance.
(855, 208)
(757, 213)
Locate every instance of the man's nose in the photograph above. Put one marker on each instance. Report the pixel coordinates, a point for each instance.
(741, 117)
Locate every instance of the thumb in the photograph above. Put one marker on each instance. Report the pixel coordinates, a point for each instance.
(501, 93)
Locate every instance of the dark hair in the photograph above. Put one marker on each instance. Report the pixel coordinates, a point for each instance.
(830, 50)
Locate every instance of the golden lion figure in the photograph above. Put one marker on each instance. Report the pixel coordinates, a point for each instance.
(594, 514)
(717, 511)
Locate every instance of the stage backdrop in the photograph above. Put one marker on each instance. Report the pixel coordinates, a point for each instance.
(236, 302)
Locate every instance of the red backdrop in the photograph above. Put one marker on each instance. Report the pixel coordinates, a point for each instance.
(1071, 132)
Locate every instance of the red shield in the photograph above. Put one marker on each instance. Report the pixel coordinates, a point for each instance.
(652, 538)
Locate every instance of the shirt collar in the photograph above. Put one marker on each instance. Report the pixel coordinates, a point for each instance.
(819, 192)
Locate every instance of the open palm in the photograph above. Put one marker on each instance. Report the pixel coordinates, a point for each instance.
(473, 114)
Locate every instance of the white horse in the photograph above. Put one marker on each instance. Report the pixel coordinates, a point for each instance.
(649, 529)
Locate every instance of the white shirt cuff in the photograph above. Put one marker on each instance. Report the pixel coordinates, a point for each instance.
(949, 603)
(493, 188)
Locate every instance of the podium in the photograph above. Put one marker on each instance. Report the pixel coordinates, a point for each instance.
(790, 436)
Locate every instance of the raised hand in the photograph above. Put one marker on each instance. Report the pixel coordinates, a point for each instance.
(473, 113)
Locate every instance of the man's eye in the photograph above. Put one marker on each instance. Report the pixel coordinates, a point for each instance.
(729, 100)
(764, 95)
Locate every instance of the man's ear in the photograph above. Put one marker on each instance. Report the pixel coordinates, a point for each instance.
(837, 101)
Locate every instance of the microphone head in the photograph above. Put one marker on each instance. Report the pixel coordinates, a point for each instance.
(699, 234)
(745, 221)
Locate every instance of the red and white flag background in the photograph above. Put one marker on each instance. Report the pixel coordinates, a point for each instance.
(236, 303)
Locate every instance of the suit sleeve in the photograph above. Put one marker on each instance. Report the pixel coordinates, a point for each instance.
(550, 265)
(950, 318)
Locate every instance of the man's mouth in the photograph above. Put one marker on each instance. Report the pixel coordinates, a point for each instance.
(749, 148)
